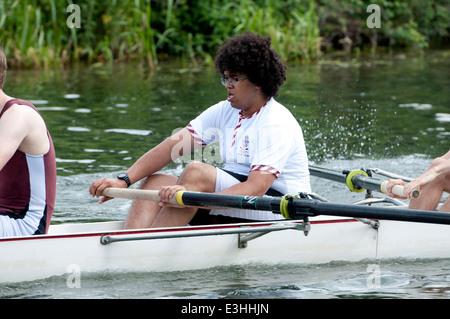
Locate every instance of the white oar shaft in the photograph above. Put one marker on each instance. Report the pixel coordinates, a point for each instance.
(399, 190)
(135, 194)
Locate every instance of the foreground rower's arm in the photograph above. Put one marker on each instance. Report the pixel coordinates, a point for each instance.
(151, 162)
(161, 155)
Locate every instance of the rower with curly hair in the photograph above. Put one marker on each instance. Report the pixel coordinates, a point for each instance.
(261, 145)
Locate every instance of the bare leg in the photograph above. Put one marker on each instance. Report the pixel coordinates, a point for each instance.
(446, 206)
(143, 213)
(198, 177)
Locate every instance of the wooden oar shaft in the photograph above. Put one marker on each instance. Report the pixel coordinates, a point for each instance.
(135, 194)
(297, 208)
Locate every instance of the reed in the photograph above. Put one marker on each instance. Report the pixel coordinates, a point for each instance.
(34, 33)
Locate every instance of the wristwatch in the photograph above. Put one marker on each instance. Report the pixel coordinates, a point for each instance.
(124, 177)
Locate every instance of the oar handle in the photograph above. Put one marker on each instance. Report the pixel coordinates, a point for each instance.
(136, 194)
(399, 190)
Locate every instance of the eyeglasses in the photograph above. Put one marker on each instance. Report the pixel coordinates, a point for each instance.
(232, 81)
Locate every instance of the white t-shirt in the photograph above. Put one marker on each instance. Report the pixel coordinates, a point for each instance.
(269, 140)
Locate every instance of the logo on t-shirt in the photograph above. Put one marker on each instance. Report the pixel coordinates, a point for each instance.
(243, 149)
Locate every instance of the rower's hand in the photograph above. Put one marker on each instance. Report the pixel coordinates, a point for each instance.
(422, 180)
(167, 192)
(391, 183)
(97, 187)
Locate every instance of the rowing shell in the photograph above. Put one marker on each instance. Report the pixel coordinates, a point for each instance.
(334, 233)
(105, 246)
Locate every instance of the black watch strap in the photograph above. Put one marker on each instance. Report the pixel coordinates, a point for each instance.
(124, 177)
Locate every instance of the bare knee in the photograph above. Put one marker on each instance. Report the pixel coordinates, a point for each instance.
(199, 177)
(195, 169)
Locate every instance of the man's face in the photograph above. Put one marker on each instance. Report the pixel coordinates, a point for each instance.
(241, 92)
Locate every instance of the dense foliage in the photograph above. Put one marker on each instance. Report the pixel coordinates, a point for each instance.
(34, 33)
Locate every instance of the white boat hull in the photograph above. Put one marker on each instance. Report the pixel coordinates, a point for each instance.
(78, 247)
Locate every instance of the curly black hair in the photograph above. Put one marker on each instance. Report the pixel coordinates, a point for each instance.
(251, 54)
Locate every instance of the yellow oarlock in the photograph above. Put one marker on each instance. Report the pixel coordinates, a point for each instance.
(284, 203)
(349, 182)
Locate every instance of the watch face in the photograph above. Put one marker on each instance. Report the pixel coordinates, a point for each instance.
(124, 177)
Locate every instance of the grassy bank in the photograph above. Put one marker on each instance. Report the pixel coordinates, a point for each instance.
(35, 33)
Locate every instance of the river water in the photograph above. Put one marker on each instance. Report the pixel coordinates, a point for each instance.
(389, 112)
